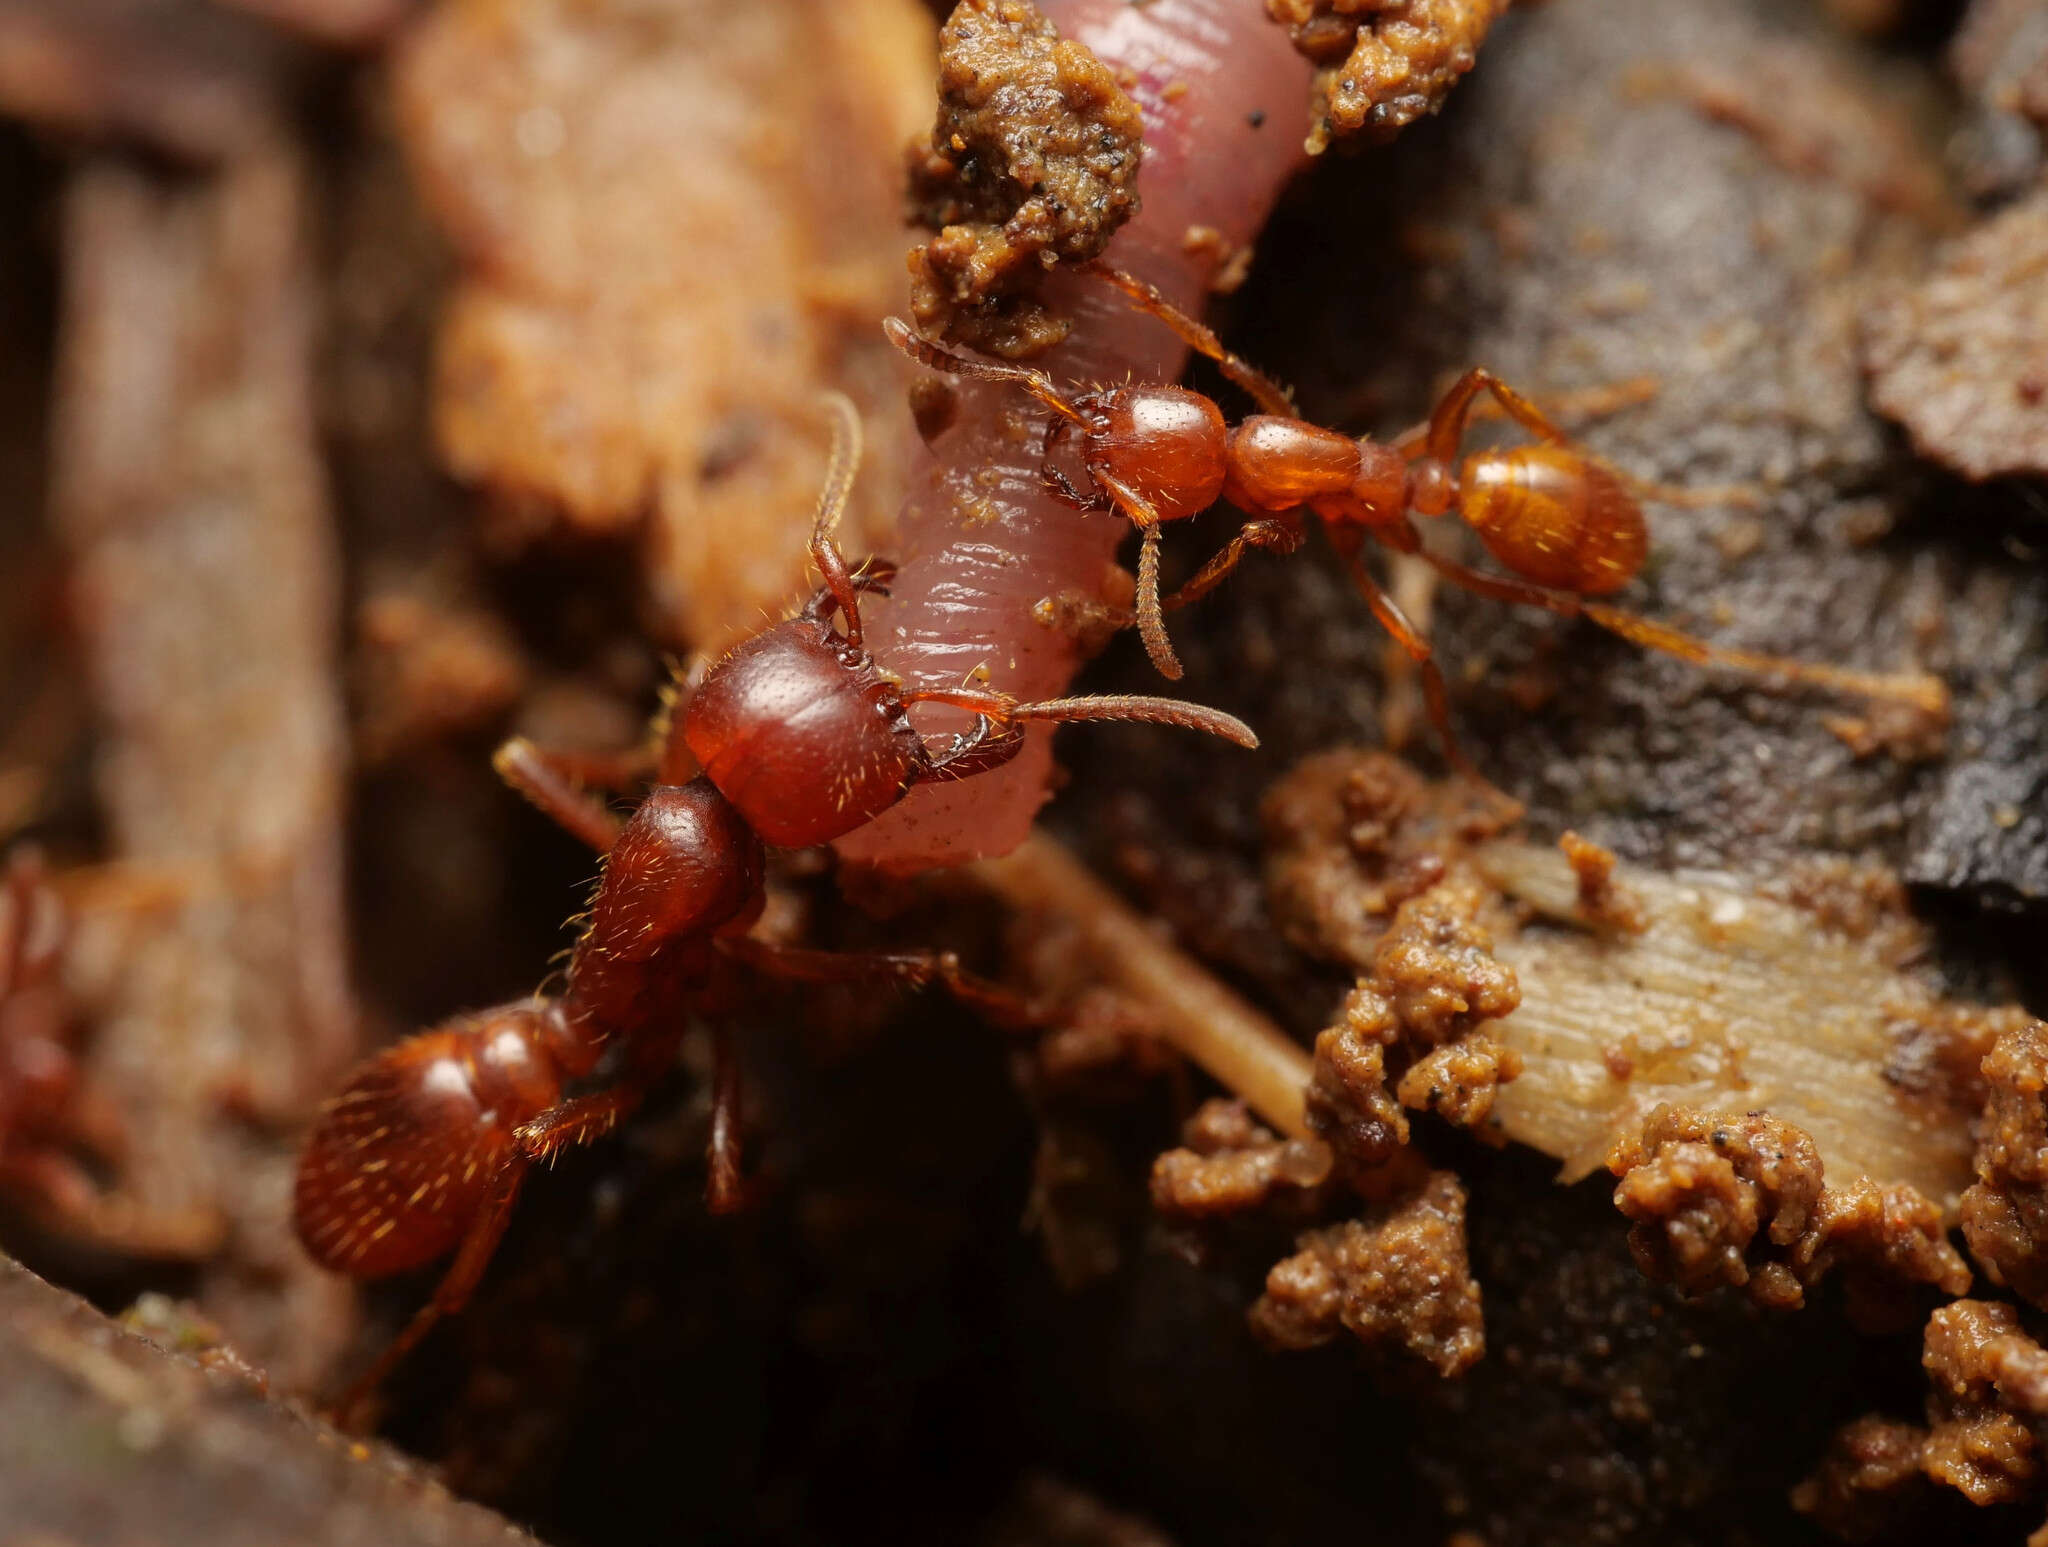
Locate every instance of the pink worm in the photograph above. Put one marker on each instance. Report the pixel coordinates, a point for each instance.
(1222, 91)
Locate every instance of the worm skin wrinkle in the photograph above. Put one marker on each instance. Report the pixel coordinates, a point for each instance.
(1221, 90)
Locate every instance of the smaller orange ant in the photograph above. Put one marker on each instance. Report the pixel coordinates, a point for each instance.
(1568, 526)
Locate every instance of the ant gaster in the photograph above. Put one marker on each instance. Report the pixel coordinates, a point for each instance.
(800, 738)
(1567, 526)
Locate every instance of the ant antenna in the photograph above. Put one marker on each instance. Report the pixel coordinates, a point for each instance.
(1145, 296)
(841, 466)
(936, 357)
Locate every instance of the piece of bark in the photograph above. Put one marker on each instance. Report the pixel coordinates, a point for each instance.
(187, 487)
(187, 77)
(107, 1438)
(1999, 57)
(1960, 358)
(677, 227)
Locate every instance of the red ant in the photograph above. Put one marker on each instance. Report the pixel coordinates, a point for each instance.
(51, 1124)
(800, 738)
(1568, 526)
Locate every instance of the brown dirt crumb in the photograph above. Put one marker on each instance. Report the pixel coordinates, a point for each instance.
(1742, 1203)
(1230, 1164)
(1349, 1102)
(1397, 1278)
(2005, 1213)
(1382, 64)
(1436, 965)
(1433, 985)
(1938, 1049)
(1460, 1079)
(1999, 57)
(1700, 1189)
(1989, 1383)
(1603, 903)
(1034, 160)
(1352, 834)
(1960, 358)
(1868, 1478)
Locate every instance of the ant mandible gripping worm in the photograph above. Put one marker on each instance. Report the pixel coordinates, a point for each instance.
(1566, 526)
(799, 739)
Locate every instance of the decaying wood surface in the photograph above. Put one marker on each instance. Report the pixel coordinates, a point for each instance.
(188, 490)
(106, 1438)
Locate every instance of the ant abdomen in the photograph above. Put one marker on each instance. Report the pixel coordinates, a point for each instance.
(404, 1157)
(1554, 516)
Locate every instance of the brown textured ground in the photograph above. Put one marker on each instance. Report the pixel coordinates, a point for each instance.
(107, 1438)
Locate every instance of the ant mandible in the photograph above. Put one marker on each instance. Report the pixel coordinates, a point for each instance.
(1568, 526)
(800, 738)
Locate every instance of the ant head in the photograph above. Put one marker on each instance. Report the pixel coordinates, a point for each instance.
(1165, 443)
(1555, 516)
(802, 734)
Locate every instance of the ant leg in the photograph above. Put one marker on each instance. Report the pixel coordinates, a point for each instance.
(1274, 534)
(724, 1191)
(912, 969)
(578, 1120)
(1350, 549)
(57, 1194)
(1439, 439)
(1447, 419)
(840, 469)
(1917, 690)
(1269, 394)
(552, 784)
(486, 1230)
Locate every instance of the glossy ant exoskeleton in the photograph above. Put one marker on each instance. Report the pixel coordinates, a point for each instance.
(1568, 526)
(799, 739)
